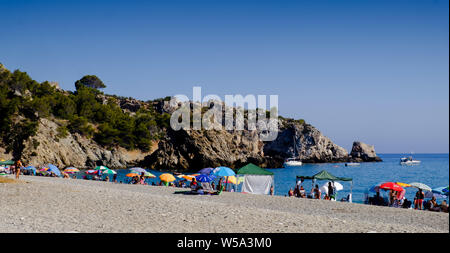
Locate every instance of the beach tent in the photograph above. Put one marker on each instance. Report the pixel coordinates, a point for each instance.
(325, 175)
(256, 180)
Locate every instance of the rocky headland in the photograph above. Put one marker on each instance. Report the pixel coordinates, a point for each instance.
(180, 150)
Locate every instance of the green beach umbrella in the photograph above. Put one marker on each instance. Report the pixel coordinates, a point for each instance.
(146, 174)
(108, 172)
(101, 168)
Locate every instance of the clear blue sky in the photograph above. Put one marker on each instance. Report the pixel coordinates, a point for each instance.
(374, 71)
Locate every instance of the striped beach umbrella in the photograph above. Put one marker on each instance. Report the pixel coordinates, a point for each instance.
(71, 170)
(205, 178)
(421, 186)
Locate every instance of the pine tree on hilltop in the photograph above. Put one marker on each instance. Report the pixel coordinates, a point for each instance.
(91, 81)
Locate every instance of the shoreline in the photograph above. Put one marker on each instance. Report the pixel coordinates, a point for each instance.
(44, 204)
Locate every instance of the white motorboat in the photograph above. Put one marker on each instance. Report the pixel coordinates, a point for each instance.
(408, 161)
(352, 164)
(292, 162)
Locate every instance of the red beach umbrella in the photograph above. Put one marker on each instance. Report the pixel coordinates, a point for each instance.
(391, 186)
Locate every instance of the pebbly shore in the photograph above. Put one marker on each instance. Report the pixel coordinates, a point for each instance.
(43, 204)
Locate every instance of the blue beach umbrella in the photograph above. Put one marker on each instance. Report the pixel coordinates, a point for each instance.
(32, 168)
(446, 189)
(206, 171)
(205, 178)
(440, 190)
(54, 169)
(223, 172)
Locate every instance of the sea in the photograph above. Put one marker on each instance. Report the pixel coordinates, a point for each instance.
(432, 171)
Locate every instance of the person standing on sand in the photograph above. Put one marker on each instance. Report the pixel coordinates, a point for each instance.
(18, 168)
(271, 190)
(219, 186)
(115, 178)
(330, 191)
(419, 199)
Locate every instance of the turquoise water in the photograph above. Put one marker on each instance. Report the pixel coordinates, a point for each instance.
(433, 171)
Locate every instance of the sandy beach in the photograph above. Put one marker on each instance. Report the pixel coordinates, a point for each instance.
(43, 204)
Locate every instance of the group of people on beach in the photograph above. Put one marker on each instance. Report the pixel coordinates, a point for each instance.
(315, 193)
(419, 203)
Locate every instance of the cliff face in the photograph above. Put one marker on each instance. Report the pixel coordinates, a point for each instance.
(73, 150)
(311, 146)
(192, 150)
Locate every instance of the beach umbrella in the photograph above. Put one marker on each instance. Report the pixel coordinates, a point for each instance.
(403, 184)
(138, 169)
(166, 177)
(421, 186)
(71, 170)
(440, 190)
(54, 169)
(429, 195)
(338, 186)
(205, 178)
(32, 168)
(391, 186)
(101, 168)
(223, 172)
(231, 180)
(375, 188)
(148, 174)
(108, 172)
(132, 175)
(189, 178)
(206, 171)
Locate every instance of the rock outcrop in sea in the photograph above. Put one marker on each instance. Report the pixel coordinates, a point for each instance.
(362, 152)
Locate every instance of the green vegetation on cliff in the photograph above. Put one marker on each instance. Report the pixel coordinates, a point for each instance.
(23, 101)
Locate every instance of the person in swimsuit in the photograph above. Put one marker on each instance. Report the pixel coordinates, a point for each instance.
(316, 192)
(18, 168)
(419, 199)
(302, 192)
(330, 190)
(434, 206)
(291, 193)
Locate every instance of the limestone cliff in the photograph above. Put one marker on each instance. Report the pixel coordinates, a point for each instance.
(73, 150)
